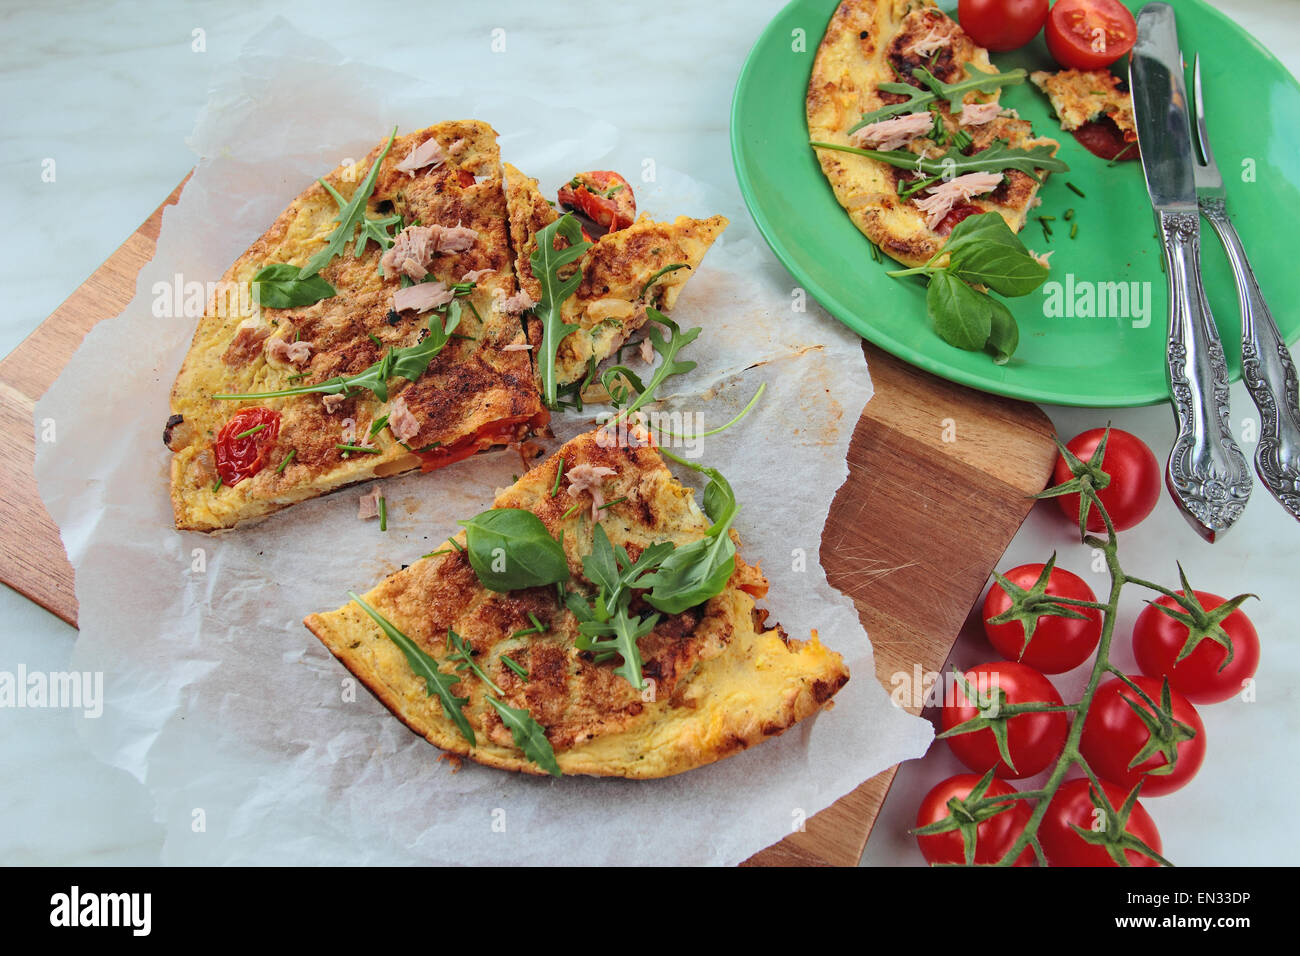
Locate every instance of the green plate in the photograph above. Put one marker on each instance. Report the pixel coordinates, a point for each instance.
(1253, 105)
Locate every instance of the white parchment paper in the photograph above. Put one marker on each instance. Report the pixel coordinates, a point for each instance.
(254, 742)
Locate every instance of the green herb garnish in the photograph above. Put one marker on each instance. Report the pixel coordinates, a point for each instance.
(671, 267)
(528, 734)
(620, 393)
(435, 681)
(547, 261)
(517, 668)
(341, 446)
(287, 458)
(278, 286)
(510, 548)
(996, 158)
(463, 659)
(383, 513)
(975, 81)
(352, 213)
(252, 431)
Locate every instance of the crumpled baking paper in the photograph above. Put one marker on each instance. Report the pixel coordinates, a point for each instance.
(256, 745)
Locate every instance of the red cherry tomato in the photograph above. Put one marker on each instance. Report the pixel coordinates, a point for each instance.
(1114, 734)
(1073, 804)
(1033, 740)
(1135, 478)
(244, 444)
(602, 196)
(993, 837)
(1089, 34)
(1059, 644)
(1001, 25)
(1158, 640)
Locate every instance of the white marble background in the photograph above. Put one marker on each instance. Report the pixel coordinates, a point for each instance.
(110, 91)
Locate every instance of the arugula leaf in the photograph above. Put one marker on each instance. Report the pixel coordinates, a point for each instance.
(997, 157)
(547, 261)
(671, 267)
(528, 735)
(976, 81)
(409, 363)
(510, 548)
(677, 341)
(695, 572)
(961, 316)
(435, 681)
(351, 213)
(277, 286)
(463, 659)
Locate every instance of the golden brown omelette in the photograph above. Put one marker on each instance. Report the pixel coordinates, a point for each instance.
(869, 42)
(428, 273)
(717, 677)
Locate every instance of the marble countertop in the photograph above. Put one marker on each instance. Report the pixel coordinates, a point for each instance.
(109, 92)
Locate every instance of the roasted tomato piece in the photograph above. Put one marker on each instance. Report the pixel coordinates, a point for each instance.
(602, 196)
(501, 432)
(244, 444)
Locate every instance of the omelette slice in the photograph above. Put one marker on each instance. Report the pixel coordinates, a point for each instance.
(610, 304)
(870, 42)
(438, 204)
(1081, 97)
(717, 678)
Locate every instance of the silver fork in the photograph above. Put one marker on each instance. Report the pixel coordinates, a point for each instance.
(1266, 365)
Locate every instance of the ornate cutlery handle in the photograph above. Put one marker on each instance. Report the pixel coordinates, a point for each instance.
(1207, 473)
(1267, 370)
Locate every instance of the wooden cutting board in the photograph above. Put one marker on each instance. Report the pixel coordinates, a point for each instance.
(939, 479)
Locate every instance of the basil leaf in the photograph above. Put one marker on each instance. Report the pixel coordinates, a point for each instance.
(435, 681)
(547, 261)
(528, 735)
(1003, 268)
(1004, 334)
(961, 316)
(986, 227)
(510, 548)
(277, 286)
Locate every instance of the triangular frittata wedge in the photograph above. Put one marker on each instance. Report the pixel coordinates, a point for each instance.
(718, 679)
(870, 42)
(611, 302)
(476, 392)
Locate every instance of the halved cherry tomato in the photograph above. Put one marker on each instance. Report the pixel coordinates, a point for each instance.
(1114, 734)
(501, 432)
(1033, 740)
(244, 444)
(603, 196)
(1201, 677)
(1102, 138)
(1135, 478)
(993, 837)
(1089, 34)
(1073, 806)
(1001, 25)
(1059, 644)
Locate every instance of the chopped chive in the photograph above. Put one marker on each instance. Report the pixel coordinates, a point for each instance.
(610, 504)
(434, 554)
(875, 251)
(1120, 154)
(541, 629)
(1048, 218)
(252, 431)
(287, 458)
(457, 335)
(1076, 190)
(378, 425)
(525, 632)
(383, 513)
(295, 377)
(1069, 214)
(517, 668)
(374, 338)
(297, 335)
(369, 451)
(577, 507)
(1074, 231)
(559, 473)
(217, 486)
(456, 544)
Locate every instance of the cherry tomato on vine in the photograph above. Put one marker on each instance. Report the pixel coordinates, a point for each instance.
(1114, 734)
(1089, 34)
(603, 196)
(1033, 740)
(1073, 804)
(994, 836)
(1058, 644)
(1202, 677)
(244, 443)
(1001, 25)
(1135, 478)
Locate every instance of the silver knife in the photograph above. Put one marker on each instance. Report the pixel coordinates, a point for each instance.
(1266, 365)
(1207, 474)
